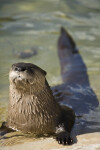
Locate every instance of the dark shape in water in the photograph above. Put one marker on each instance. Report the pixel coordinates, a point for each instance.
(26, 53)
(81, 97)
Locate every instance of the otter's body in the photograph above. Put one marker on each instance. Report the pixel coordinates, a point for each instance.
(32, 107)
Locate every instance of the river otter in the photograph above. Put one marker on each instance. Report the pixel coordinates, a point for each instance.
(32, 107)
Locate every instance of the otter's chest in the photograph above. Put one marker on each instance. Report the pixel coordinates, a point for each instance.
(28, 114)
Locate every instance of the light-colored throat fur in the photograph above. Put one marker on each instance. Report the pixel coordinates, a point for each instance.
(33, 108)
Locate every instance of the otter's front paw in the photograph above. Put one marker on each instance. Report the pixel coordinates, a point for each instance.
(64, 138)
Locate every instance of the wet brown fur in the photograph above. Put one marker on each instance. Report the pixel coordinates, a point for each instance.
(32, 107)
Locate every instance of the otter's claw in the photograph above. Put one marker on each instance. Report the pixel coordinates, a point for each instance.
(64, 138)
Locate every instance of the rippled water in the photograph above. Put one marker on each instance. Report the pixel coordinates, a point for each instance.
(27, 24)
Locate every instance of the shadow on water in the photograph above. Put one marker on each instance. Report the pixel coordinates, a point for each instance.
(76, 92)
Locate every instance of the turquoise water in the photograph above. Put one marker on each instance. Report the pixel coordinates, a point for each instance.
(27, 24)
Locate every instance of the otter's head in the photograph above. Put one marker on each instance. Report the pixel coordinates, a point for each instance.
(25, 75)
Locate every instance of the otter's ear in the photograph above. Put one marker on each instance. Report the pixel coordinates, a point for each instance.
(44, 72)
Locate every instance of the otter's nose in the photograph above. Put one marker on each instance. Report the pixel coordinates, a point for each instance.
(20, 69)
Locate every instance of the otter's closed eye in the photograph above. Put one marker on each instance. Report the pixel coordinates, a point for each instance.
(19, 68)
